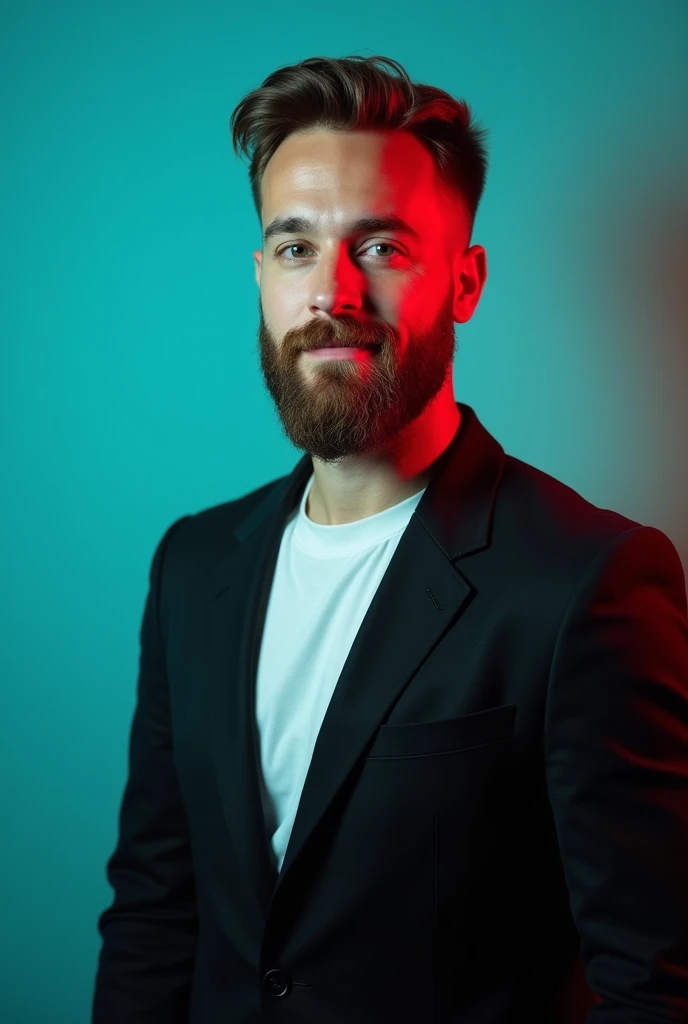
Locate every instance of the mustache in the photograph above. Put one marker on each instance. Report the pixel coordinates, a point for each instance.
(340, 336)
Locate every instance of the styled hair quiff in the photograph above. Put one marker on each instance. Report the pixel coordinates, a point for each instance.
(349, 93)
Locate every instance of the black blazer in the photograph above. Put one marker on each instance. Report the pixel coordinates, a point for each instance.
(494, 825)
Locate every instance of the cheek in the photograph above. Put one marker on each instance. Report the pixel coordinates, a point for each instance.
(427, 298)
(414, 307)
(284, 301)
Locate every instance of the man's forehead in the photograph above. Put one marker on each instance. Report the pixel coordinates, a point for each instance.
(338, 181)
(381, 165)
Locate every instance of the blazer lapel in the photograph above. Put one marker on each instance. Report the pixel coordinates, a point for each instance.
(419, 598)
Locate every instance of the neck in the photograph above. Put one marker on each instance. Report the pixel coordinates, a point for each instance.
(363, 485)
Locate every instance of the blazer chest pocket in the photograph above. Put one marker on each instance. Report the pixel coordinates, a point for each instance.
(421, 739)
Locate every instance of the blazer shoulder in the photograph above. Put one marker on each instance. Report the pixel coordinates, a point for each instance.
(208, 532)
(551, 523)
(549, 501)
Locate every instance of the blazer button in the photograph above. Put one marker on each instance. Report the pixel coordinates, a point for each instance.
(276, 983)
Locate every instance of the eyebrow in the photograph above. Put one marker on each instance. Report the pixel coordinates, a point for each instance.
(287, 225)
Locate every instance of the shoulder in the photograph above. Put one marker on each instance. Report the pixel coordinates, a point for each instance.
(542, 522)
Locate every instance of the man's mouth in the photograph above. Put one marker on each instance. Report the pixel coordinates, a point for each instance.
(340, 352)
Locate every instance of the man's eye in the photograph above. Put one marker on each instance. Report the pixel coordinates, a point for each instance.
(299, 245)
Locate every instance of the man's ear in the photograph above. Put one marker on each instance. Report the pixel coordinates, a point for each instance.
(258, 256)
(470, 274)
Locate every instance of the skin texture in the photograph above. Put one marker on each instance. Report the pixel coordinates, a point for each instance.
(374, 424)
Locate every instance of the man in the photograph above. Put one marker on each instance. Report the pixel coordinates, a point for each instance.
(412, 721)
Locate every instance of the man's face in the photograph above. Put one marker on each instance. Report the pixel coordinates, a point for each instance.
(387, 287)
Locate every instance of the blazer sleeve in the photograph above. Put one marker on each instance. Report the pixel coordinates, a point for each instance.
(616, 761)
(149, 933)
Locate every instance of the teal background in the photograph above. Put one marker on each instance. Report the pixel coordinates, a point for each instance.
(130, 387)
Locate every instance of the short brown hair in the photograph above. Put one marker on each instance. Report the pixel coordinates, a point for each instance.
(347, 93)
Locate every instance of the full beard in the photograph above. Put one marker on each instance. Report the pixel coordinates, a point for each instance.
(336, 408)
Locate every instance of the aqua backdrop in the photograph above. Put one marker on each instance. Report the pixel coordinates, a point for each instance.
(130, 388)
